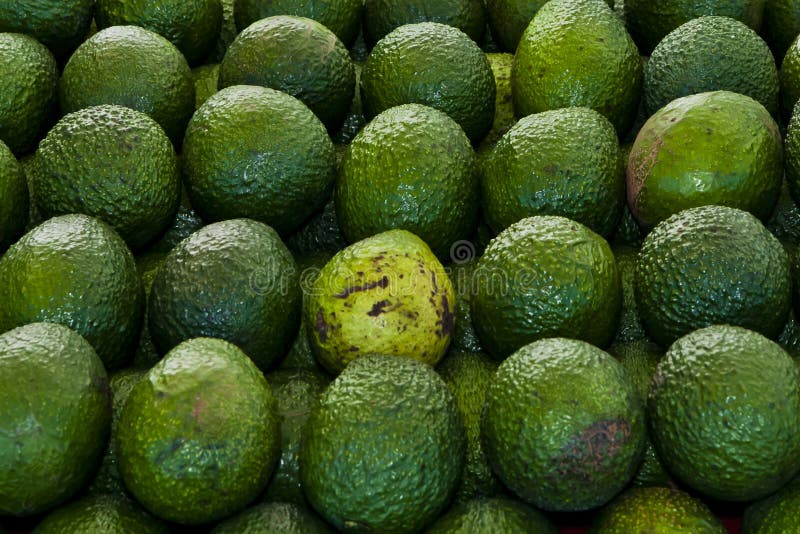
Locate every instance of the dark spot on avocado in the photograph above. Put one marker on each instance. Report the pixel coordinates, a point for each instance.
(447, 321)
(322, 327)
(353, 348)
(586, 452)
(378, 308)
(382, 283)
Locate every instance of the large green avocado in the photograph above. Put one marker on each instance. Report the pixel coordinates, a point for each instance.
(274, 518)
(781, 25)
(777, 514)
(100, 514)
(61, 25)
(383, 16)
(487, 515)
(342, 17)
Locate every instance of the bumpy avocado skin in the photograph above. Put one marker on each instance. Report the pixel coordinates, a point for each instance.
(561, 162)
(781, 25)
(630, 324)
(100, 514)
(14, 205)
(239, 159)
(233, 280)
(775, 514)
(61, 26)
(186, 455)
(563, 425)
(492, 515)
(274, 518)
(383, 16)
(113, 163)
(387, 294)
(429, 186)
(133, 67)
(508, 20)
(656, 510)
(589, 60)
(405, 442)
(53, 380)
(435, 65)
(545, 276)
(711, 265)
(504, 117)
(711, 54)
(317, 68)
(342, 17)
(723, 409)
(76, 271)
(792, 148)
(462, 273)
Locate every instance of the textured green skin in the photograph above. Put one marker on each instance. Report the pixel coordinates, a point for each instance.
(381, 17)
(240, 159)
(436, 65)
(206, 80)
(628, 233)
(274, 518)
(790, 81)
(113, 163)
(723, 410)
(59, 25)
(711, 265)
(387, 294)
(342, 17)
(227, 32)
(185, 223)
(191, 25)
(562, 162)
(75, 270)
(320, 234)
(630, 325)
(462, 274)
(14, 202)
(298, 56)
(133, 67)
(543, 277)
(789, 338)
(108, 481)
(499, 515)
(648, 22)
(508, 20)
(146, 354)
(682, 158)
(777, 514)
(468, 375)
(384, 448)
(504, 117)
(640, 358)
(296, 392)
(55, 418)
(255, 304)
(711, 54)
(785, 221)
(588, 61)
(199, 435)
(781, 25)
(792, 159)
(563, 425)
(100, 514)
(429, 186)
(28, 90)
(656, 511)
(355, 119)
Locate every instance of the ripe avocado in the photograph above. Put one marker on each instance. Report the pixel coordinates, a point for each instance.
(100, 514)
(59, 25)
(383, 16)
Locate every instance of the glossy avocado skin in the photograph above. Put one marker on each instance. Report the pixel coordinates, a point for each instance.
(508, 20)
(630, 324)
(557, 462)
(792, 164)
(61, 26)
(274, 518)
(657, 510)
(59, 264)
(234, 280)
(435, 65)
(702, 405)
(590, 61)
(429, 186)
(71, 407)
(712, 265)
(240, 161)
(113, 163)
(100, 514)
(15, 198)
(186, 455)
(298, 56)
(29, 83)
(711, 54)
(561, 162)
(545, 276)
(383, 16)
(394, 415)
(504, 117)
(462, 274)
(492, 515)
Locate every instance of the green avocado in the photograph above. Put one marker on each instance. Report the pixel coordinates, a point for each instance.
(60, 25)
(274, 518)
(485, 515)
(100, 514)
(383, 16)
(14, 198)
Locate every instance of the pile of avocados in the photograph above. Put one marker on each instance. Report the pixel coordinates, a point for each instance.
(399, 266)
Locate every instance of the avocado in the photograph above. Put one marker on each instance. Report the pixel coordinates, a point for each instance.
(206, 80)
(630, 324)
(61, 25)
(508, 20)
(435, 65)
(240, 159)
(233, 280)
(785, 221)
(484, 515)
(429, 185)
(504, 117)
(563, 425)
(76, 271)
(462, 273)
(383, 16)
(545, 276)
(113, 163)
(781, 25)
(724, 411)
(577, 53)
(711, 265)
(100, 514)
(199, 435)
(14, 203)
(274, 518)
(405, 446)
(775, 514)
(55, 418)
(227, 32)
(320, 234)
